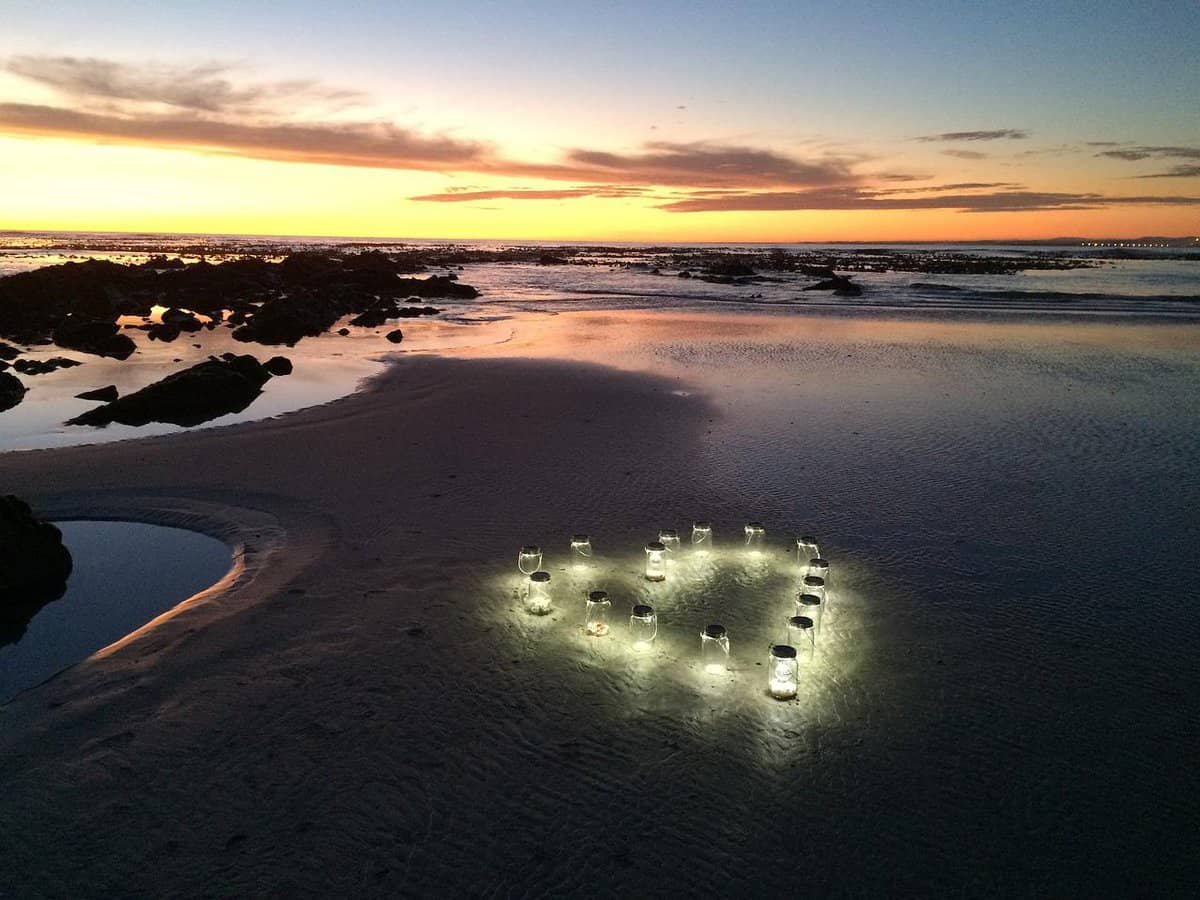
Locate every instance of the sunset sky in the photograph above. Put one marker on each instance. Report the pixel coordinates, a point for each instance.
(603, 121)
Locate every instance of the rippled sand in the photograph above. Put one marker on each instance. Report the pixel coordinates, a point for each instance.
(1003, 701)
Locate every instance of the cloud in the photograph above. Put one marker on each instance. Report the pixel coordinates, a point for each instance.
(366, 144)
(201, 87)
(857, 199)
(451, 195)
(1133, 154)
(697, 164)
(965, 154)
(997, 134)
(1184, 171)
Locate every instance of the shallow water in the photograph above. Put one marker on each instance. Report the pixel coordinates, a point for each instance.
(125, 574)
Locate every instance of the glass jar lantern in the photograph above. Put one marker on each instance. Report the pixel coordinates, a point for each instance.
(801, 632)
(809, 606)
(596, 614)
(783, 674)
(714, 649)
(756, 537)
(669, 538)
(702, 536)
(819, 567)
(581, 549)
(643, 627)
(537, 593)
(529, 559)
(656, 561)
(811, 584)
(806, 549)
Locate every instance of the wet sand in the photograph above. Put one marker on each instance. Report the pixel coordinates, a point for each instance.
(362, 706)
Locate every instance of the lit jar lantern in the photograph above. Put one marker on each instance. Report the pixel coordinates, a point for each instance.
(714, 649)
(756, 537)
(782, 672)
(656, 561)
(806, 549)
(669, 538)
(702, 536)
(809, 606)
(537, 593)
(529, 560)
(581, 549)
(596, 614)
(801, 631)
(819, 568)
(814, 585)
(643, 626)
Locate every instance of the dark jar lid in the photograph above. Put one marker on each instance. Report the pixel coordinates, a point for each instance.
(598, 597)
(668, 533)
(819, 561)
(755, 526)
(805, 539)
(714, 631)
(540, 577)
(809, 600)
(814, 581)
(531, 549)
(702, 525)
(642, 611)
(656, 546)
(580, 539)
(783, 651)
(800, 621)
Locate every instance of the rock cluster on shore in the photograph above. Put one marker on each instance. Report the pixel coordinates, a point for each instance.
(216, 387)
(34, 566)
(76, 305)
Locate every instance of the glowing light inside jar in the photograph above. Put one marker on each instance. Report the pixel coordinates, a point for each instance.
(714, 649)
(596, 614)
(701, 536)
(581, 550)
(643, 627)
(669, 538)
(529, 559)
(756, 538)
(819, 568)
(656, 561)
(537, 594)
(782, 672)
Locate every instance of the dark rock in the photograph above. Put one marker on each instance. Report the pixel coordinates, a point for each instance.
(94, 336)
(166, 332)
(193, 396)
(684, 274)
(278, 365)
(372, 318)
(43, 366)
(8, 351)
(395, 336)
(343, 331)
(286, 320)
(34, 566)
(549, 259)
(12, 391)
(104, 394)
(729, 268)
(841, 286)
(411, 312)
(438, 286)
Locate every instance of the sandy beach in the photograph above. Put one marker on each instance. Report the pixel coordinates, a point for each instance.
(362, 706)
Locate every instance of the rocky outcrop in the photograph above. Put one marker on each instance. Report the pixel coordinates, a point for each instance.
(395, 336)
(12, 391)
(95, 336)
(841, 285)
(278, 365)
(44, 366)
(34, 566)
(214, 388)
(104, 395)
